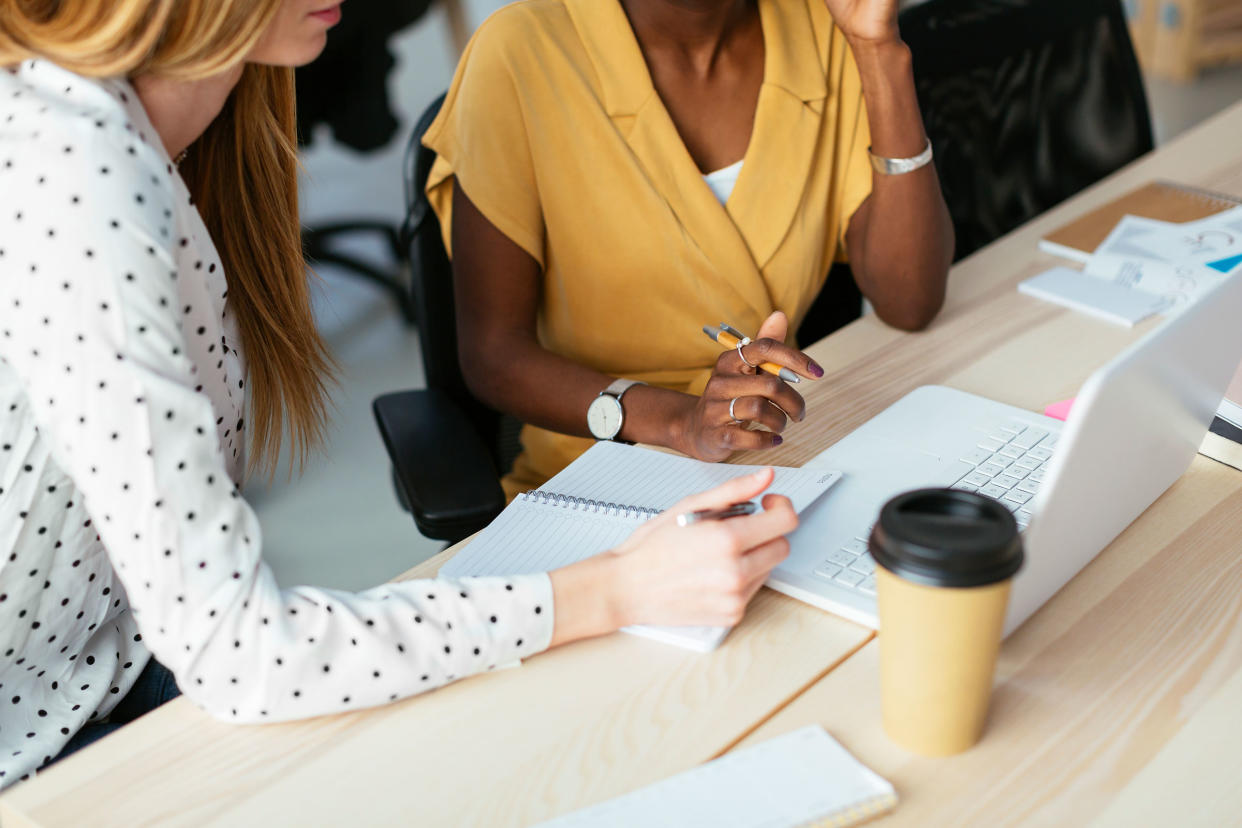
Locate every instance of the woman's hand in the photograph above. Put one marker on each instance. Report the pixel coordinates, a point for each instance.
(712, 432)
(706, 573)
(874, 21)
(699, 575)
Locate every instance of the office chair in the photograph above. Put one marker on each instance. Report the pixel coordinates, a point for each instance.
(448, 450)
(1026, 103)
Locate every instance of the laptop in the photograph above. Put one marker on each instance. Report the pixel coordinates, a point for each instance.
(1073, 487)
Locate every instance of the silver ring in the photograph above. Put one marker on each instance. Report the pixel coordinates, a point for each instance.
(745, 341)
(733, 416)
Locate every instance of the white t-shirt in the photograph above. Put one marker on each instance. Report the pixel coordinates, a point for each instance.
(122, 530)
(723, 180)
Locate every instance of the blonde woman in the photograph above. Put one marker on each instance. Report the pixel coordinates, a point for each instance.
(154, 329)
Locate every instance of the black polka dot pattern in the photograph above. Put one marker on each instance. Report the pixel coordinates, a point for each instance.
(122, 451)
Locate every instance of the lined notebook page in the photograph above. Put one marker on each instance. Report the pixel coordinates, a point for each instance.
(596, 502)
(530, 536)
(538, 531)
(804, 778)
(617, 473)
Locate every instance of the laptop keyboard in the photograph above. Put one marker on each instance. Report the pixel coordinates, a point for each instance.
(1009, 465)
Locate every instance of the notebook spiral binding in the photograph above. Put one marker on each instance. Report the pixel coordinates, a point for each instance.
(1206, 196)
(586, 505)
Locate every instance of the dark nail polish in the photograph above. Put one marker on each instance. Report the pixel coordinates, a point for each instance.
(777, 439)
(815, 370)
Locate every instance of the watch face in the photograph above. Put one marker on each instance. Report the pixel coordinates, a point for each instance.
(604, 417)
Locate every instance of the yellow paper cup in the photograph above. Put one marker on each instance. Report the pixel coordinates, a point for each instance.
(945, 561)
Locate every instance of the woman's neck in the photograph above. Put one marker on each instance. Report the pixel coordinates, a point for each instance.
(696, 30)
(180, 110)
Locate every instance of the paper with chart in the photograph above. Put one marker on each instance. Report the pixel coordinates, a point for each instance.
(1214, 242)
(1177, 284)
(1179, 262)
(597, 501)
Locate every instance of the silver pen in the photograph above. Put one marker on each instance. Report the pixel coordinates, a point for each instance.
(746, 507)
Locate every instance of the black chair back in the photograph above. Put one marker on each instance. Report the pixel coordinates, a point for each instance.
(1026, 102)
(432, 299)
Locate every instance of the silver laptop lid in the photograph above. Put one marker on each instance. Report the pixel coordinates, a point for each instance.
(1134, 429)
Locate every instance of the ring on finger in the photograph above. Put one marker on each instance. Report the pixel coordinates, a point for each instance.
(745, 341)
(733, 416)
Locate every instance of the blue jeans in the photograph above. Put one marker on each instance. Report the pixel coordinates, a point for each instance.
(155, 685)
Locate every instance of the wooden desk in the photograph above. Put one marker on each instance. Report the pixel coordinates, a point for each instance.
(1153, 621)
(1120, 702)
(579, 724)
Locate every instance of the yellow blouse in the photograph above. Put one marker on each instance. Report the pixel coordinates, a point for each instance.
(557, 134)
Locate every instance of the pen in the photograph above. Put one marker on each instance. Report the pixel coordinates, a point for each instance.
(746, 507)
(730, 337)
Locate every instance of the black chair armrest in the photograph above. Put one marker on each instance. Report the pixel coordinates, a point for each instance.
(442, 470)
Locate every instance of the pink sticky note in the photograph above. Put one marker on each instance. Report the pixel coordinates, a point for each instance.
(1060, 410)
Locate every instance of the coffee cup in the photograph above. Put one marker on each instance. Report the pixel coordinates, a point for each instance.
(945, 560)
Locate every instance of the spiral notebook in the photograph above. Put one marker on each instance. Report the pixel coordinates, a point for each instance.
(804, 779)
(1161, 200)
(596, 502)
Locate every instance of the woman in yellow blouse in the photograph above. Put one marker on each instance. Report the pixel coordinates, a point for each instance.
(588, 244)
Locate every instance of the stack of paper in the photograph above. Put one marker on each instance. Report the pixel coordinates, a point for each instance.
(1224, 440)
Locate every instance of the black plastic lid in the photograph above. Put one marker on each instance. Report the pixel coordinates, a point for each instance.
(947, 537)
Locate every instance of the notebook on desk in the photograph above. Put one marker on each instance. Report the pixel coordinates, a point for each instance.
(1161, 200)
(596, 502)
(803, 779)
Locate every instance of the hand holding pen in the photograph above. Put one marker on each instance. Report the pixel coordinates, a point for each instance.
(691, 565)
(746, 507)
(748, 386)
(731, 337)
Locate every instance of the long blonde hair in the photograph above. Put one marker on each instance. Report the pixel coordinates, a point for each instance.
(242, 173)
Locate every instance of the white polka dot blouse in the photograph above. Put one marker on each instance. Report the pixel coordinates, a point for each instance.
(122, 531)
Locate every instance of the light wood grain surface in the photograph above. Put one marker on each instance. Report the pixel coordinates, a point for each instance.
(573, 726)
(1125, 685)
(1120, 702)
(1120, 693)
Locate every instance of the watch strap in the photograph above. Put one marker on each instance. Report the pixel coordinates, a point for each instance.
(618, 387)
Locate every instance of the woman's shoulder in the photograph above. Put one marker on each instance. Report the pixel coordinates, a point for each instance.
(91, 188)
(526, 30)
(527, 17)
(54, 121)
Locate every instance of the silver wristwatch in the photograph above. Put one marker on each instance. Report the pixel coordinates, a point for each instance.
(605, 414)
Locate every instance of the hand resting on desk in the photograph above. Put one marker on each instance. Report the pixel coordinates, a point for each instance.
(664, 574)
